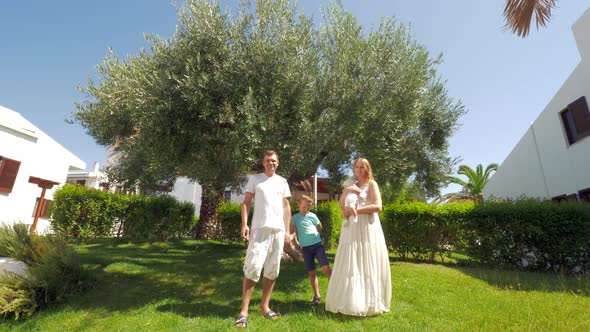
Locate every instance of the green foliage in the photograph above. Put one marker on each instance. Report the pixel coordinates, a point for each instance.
(79, 212)
(476, 181)
(230, 220)
(531, 234)
(205, 102)
(54, 271)
(526, 233)
(422, 231)
(330, 216)
(194, 285)
(16, 242)
(17, 297)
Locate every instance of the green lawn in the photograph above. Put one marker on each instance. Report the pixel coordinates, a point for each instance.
(196, 286)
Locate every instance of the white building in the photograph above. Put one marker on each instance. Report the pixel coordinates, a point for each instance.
(186, 190)
(94, 179)
(552, 159)
(30, 160)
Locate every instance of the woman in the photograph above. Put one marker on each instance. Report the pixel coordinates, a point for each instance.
(361, 278)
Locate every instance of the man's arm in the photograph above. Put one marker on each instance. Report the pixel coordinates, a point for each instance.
(245, 231)
(287, 218)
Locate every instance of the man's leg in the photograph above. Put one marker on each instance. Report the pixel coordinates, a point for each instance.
(267, 287)
(247, 291)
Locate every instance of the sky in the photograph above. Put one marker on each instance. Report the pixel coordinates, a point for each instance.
(49, 48)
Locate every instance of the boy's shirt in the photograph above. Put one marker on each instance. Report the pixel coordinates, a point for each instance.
(307, 233)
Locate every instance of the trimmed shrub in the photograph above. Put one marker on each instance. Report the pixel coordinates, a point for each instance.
(78, 212)
(531, 234)
(423, 231)
(230, 220)
(330, 216)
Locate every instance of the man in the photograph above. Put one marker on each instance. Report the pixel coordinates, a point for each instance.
(271, 224)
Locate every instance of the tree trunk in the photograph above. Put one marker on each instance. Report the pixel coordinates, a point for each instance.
(208, 228)
(292, 252)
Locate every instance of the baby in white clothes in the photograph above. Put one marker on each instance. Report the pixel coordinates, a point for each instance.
(351, 202)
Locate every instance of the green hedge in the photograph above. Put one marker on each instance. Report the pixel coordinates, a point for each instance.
(423, 231)
(230, 220)
(526, 234)
(330, 216)
(80, 212)
(531, 234)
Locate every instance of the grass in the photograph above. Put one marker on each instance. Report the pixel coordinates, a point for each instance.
(196, 286)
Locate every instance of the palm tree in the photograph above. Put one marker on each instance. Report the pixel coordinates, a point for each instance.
(519, 14)
(473, 187)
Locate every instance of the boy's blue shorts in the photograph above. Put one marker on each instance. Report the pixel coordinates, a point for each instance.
(315, 251)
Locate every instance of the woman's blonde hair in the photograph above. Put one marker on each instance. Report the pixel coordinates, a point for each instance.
(367, 167)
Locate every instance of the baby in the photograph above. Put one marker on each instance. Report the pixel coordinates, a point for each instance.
(351, 202)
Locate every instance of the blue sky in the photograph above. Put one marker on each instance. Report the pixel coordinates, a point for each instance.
(48, 48)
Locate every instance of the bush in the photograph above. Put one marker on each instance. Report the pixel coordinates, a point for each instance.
(423, 231)
(531, 234)
(330, 216)
(230, 220)
(79, 212)
(54, 271)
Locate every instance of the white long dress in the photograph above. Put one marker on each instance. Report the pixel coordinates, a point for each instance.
(361, 279)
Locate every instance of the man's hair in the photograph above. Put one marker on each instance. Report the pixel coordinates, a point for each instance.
(306, 198)
(270, 153)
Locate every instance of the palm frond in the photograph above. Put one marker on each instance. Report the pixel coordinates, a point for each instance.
(519, 14)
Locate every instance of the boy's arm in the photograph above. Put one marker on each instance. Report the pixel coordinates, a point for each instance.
(245, 209)
(319, 226)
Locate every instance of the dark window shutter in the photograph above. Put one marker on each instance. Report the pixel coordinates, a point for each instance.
(581, 116)
(8, 171)
(568, 126)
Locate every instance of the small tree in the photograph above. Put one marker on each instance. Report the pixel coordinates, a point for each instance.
(473, 186)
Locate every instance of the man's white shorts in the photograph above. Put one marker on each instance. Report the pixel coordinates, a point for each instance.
(264, 251)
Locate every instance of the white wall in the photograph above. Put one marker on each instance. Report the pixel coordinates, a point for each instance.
(40, 156)
(186, 190)
(558, 168)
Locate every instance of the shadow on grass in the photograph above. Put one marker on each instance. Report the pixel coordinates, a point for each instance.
(530, 281)
(192, 278)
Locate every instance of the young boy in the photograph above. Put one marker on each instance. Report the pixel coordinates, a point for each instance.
(306, 226)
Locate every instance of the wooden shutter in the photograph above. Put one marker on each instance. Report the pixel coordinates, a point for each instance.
(576, 120)
(44, 209)
(8, 171)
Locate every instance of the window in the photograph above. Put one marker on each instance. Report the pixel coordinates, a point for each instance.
(81, 182)
(576, 120)
(8, 171)
(44, 210)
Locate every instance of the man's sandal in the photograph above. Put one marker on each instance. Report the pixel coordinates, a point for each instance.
(242, 321)
(271, 315)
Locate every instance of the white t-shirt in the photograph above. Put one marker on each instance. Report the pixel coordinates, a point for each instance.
(269, 193)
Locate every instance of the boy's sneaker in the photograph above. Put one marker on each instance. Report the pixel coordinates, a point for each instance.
(316, 300)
